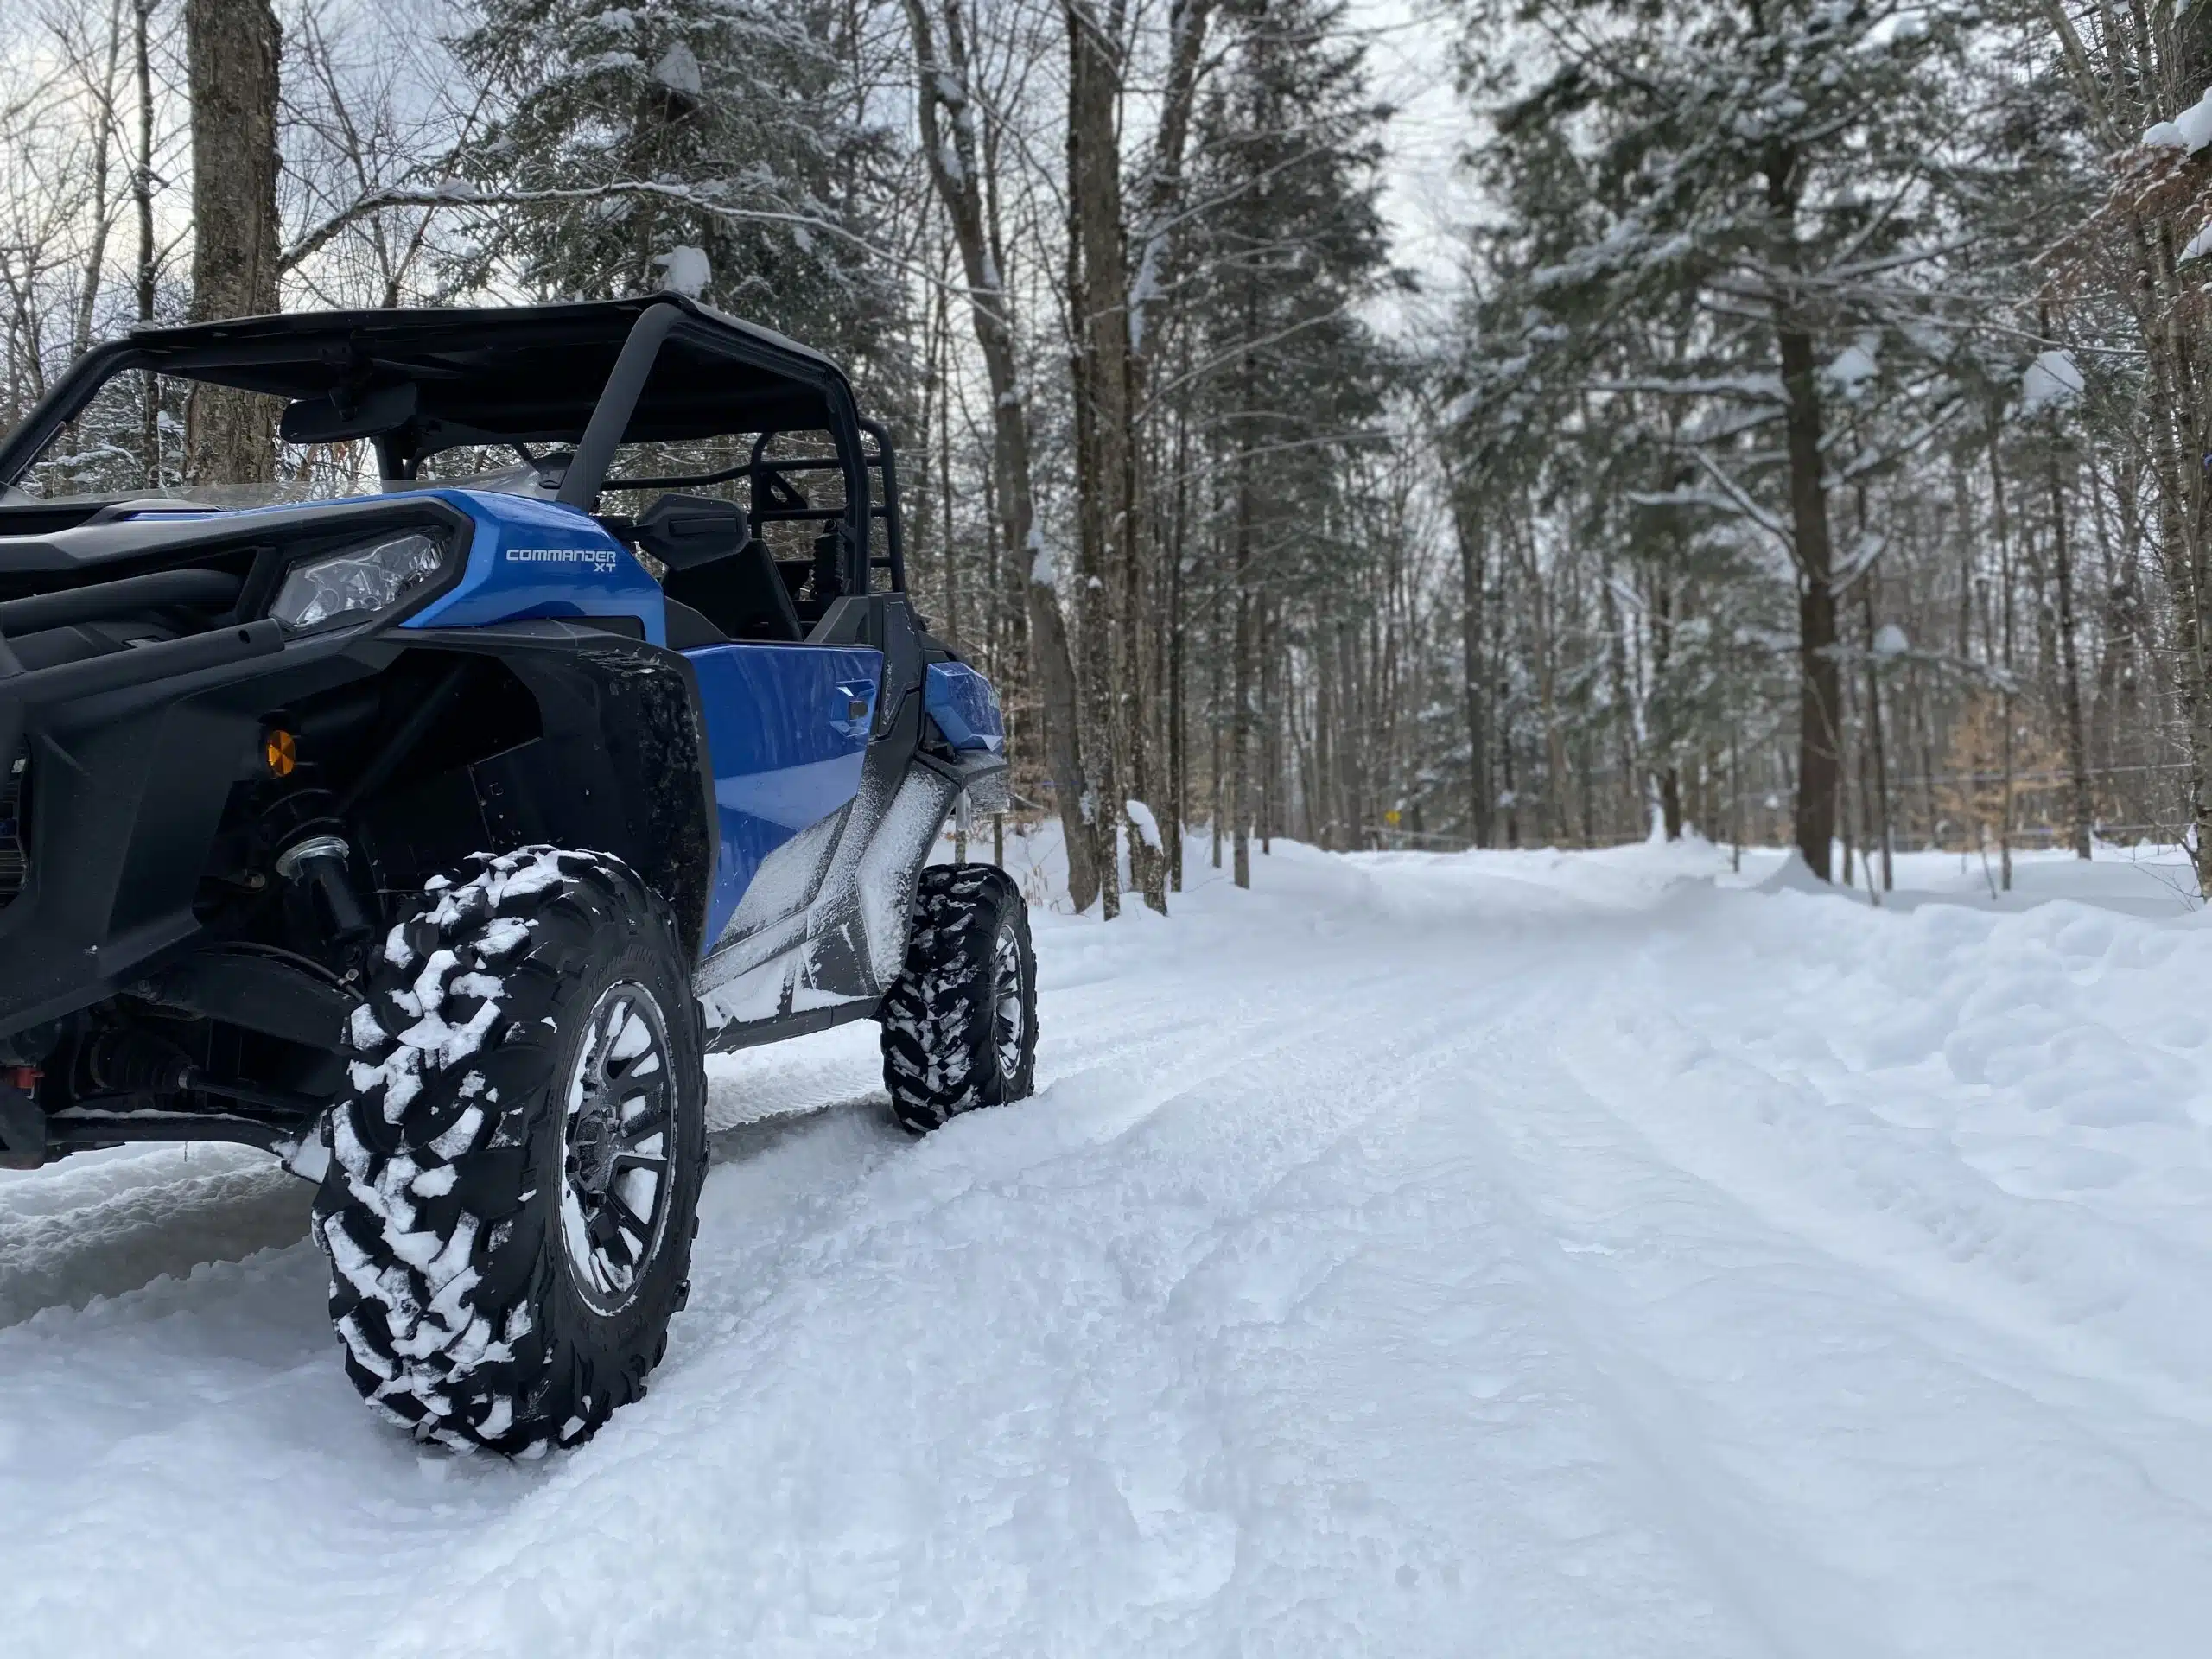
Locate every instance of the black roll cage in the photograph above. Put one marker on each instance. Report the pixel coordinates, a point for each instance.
(244, 352)
(764, 476)
(585, 478)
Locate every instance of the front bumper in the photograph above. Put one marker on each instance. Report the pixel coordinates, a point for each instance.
(126, 787)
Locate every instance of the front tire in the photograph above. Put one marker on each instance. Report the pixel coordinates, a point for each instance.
(960, 1022)
(515, 1168)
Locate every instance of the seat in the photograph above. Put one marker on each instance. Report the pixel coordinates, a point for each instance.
(741, 594)
(687, 629)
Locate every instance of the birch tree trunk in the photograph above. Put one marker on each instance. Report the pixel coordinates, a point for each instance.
(1879, 800)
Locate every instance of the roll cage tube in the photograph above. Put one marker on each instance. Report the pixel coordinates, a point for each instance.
(618, 401)
(610, 418)
(66, 400)
(765, 476)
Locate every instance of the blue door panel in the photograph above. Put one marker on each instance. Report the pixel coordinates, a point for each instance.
(786, 733)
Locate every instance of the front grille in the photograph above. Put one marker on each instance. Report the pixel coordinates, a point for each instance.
(14, 833)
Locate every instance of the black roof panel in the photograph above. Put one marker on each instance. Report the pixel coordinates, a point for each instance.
(526, 373)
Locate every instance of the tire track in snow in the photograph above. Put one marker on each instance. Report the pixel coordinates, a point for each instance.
(1591, 1567)
(69, 1236)
(846, 1348)
(2100, 1298)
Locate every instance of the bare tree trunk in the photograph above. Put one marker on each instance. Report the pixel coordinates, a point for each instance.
(1662, 651)
(1512, 794)
(1820, 697)
(956, 168)
(1160, 193)
(2069, 681)
(1735, 805)
(1469, 530)
(1820, 700)
(1115, 603)
(1880, 799)
(949, 552)
(142, 172)
(1624, 706)
(1213, 735)
(1106, 564)
(1178, 700)
(1240, 741)
(232, 51)
(142, 191)
(1324, 743)
(2005, 695)
(103, 135)
(1270, 744)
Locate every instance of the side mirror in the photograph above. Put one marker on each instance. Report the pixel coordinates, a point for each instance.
(684, 531)
(327, 420)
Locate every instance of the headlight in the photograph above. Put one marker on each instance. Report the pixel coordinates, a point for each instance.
(363, 578)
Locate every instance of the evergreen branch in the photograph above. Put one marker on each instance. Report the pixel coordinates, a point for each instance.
(1747, 507)
(456, 194)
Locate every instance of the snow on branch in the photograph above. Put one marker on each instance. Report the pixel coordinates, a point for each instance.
(1741, 500)
(458, 192)
(1762, 388)
(2188, 132)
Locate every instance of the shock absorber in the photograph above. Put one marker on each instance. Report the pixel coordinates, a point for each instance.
(317, 866)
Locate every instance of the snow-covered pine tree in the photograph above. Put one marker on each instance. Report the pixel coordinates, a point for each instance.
(714, 147)
(1766, 181)
(1285, 242)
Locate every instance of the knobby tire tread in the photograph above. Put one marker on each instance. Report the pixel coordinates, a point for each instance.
(447, 1158)
(940, 1054)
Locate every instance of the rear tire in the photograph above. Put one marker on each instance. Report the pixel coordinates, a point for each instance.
(960, 1022)
(515, 1168)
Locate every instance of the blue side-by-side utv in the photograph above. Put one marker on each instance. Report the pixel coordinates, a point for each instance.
(430, 835)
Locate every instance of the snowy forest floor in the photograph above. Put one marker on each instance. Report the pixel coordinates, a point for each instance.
(1502, 1254)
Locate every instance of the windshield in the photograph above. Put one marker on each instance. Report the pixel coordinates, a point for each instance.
(135, 439)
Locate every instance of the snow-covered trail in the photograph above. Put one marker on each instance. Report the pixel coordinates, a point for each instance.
(1503, 1254)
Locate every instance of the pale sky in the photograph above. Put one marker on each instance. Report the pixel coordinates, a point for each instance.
(1426, 198)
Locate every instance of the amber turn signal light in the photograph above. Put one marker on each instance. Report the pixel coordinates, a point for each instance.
(279, 752)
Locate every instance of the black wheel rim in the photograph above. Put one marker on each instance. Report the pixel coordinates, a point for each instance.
(1009, 1004)
(618, 1136)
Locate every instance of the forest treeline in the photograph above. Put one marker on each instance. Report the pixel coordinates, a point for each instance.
(1808, 446)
